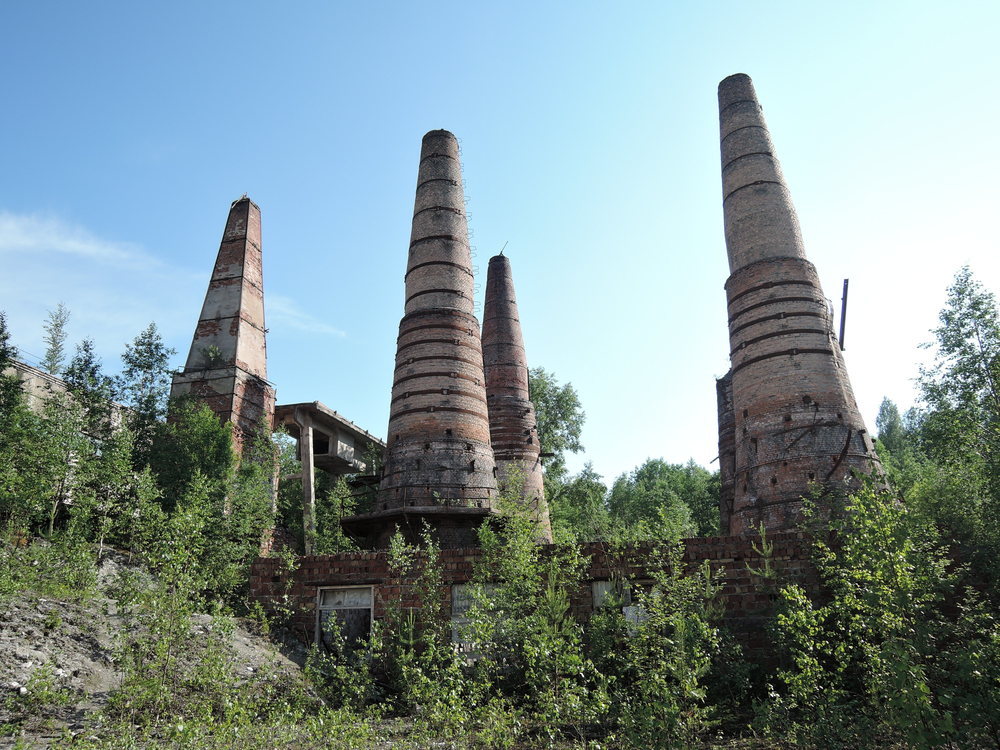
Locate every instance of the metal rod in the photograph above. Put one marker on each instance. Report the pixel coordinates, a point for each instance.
(843, 314)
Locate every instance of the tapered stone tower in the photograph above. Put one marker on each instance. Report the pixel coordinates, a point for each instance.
(792, 420)
(439, 464)
(513, 430)
(227, 365)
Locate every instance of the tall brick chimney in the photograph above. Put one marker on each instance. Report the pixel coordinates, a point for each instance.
(794, 419)
(227, 365)
(439, 464)
(513, 430)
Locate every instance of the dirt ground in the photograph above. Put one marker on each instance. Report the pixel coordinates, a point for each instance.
(57, 665)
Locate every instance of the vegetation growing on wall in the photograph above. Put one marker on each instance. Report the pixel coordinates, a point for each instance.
(900, 649)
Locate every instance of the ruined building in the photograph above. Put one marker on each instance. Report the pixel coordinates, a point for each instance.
(325, 441)
(227, 365)
(787, 415)
(439, 466)
(513, 431)
(461, 422)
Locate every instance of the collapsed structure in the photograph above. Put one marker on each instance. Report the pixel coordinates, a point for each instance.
(787, 415)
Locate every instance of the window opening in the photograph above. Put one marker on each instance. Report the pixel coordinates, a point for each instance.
(346, 607)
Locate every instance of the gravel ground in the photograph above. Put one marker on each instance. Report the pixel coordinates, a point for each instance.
(57, 664)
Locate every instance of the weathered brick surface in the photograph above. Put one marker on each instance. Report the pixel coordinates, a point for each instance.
(747, 598)
(727, 449)
(794, 420)
(513, 428)
(439, 455)
(233, 383)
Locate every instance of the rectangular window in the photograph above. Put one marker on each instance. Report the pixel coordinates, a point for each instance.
(616, 590)
(619, 592)
(348, 608)
(461, 602)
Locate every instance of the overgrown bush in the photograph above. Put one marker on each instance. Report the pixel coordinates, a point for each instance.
(898, 639)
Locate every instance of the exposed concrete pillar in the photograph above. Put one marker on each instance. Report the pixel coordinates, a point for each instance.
(513, 428)
(227, 363)
(439, 462)
(795, 421)
(308, 481)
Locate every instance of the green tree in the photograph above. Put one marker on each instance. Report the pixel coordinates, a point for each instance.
(10, 386)
(577, 507)
(60, 459)
(959, 425)
(55, 339)
(891, 430)
(192, 442)
(898, 647)
(145, 384)
(530, 647)
(7, 350)
(658, 661)
(961, 390)
(653, 500)
(560, 419)
(91, 389)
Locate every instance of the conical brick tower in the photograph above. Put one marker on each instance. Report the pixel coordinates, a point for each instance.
(439, 464)
(793, 421)
(513, 430)
(227, 365)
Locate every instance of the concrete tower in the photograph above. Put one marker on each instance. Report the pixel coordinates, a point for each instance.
(439, 464)
(794, 420)
(227, 365)
(513, 430)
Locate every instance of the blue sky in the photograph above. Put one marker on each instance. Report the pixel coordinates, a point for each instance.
(590, 146)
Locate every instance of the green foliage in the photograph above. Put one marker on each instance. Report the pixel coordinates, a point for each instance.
(10, 387)
(577, 510)
(91, 389)
(61, 568)
(55, 339)
(653, 501)
(238, 520)
(559, 417)
(659, 658)
(881, 658)
(528, 647)
(414, 640)
(45, 691)
(192, 443)
(145, 384)
(158, 678)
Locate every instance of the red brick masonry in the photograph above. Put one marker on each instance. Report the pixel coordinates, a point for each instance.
(746, 597)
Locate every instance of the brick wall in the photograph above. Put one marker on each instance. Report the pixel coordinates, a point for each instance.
(746, 598)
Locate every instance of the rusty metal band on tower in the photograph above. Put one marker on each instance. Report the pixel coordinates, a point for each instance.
(787, 414)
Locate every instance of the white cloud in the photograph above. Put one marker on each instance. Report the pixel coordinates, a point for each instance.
(284, 311)
(32, 232)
